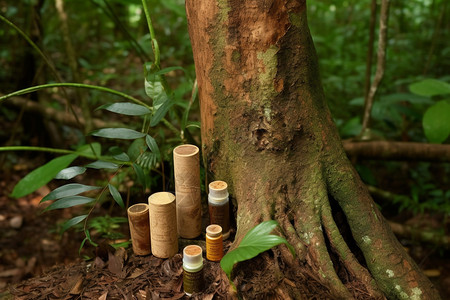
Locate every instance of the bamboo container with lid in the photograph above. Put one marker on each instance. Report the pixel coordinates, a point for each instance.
(163, 224)
(187, 190)
(138, 219)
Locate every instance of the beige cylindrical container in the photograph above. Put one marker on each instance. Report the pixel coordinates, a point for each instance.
(139, 228)
(163, 224)
(186, 163)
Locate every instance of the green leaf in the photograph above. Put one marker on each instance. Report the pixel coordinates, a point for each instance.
(160, 112)
(136, 148)
(430, 87)
(69, 202)
(151, 143)
(118, 133)
(169, 69)
(72, 222)
(100, 164)
(256, 241)
(140, 174)
(116, 195)
(126, 108)
(42, 175)
(87, 149)
(436, 122)
(69, 190)
(71, 172)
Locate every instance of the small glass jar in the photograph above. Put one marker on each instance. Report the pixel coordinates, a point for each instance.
(193, 280)
(219, 206)
(214, 243)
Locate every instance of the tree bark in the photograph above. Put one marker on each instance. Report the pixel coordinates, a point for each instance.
(268, 132)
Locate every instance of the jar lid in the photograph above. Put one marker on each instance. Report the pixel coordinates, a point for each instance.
(192, 256)
(218, 191)
(214, 230)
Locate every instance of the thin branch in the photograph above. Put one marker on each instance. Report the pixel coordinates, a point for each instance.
(398, 151)
(373, 12)
(381, 59)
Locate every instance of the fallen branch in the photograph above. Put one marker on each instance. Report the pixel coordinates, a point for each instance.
(398, 151)
(65, 118)
(423, 235)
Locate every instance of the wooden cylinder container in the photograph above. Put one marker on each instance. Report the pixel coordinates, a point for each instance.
(163, 224)
(187, 189)
(138, 220)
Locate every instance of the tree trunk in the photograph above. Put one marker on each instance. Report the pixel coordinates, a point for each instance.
(267, 131)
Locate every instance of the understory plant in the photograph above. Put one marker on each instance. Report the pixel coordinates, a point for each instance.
(136, 153)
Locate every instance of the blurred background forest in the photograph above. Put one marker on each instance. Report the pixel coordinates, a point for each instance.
(107, 43)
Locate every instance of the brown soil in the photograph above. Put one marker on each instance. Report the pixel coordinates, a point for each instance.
(37, 263)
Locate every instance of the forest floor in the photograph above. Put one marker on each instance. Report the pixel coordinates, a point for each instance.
(36, 262)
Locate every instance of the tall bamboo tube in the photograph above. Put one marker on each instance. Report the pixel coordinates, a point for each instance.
(163, 224)
(187, 189)
(139, 228)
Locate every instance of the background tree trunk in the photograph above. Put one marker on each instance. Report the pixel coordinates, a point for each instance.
(267, 131)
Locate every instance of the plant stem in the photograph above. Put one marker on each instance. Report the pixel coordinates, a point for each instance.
(155, 46)
(77, 85)
(63, 151)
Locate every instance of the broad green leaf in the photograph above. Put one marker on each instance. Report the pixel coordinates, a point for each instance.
(154, 88)
(151, 143)
(72, 222)
(256, 241)
(118, 133)
(116, 195)
(69, 202)
(261, 229)
(430, 87)
(122, 157)
(126, 108)
(436, 122)
(71, 172)
(136, 148)
(160, 112)
(100, 164)
(87, 149)
(41, 175)
(118, 154)
(68, 190)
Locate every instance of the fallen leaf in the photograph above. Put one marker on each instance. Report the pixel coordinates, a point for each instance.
(103, 297)
(136, 273)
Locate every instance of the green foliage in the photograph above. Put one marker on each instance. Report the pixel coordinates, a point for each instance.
(436, 122)
(68, 190)
(430, 87)
(42, 175)
(256, 241)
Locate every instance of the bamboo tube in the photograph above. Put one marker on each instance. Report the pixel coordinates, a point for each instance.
(163, 224)
(138, 220)
(187, 189)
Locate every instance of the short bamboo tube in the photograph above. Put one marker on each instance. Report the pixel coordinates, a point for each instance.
(163, 224)
(138, 220)
(187, 189)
